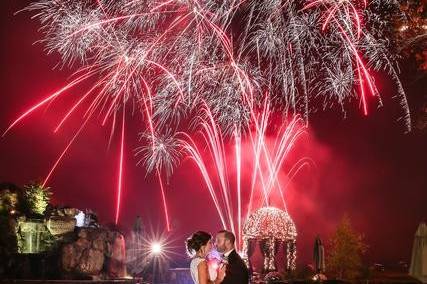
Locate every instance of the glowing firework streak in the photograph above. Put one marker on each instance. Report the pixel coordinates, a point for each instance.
(120, 177)
(337, 7)
(194, 153)
(285, 141)
(46, 100)
(238, 150)
(149, 54)
(93, 34)
(214, 140)
(63, 153)
(165, 207)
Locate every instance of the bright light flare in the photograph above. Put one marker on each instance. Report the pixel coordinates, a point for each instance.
(156, 248)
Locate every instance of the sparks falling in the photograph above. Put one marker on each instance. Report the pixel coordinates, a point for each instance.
(175, 61)
(268, 161)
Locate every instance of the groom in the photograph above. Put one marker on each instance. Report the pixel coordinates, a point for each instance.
(236, 270)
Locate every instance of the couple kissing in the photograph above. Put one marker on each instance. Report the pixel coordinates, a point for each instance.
(229, 269)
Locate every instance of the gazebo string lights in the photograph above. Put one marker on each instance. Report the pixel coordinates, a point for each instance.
(271, 227)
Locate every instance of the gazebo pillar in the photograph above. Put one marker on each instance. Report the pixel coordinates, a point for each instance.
(266, 255)
(245, 251)
(290, 255)
(269, 254)
(272, 254)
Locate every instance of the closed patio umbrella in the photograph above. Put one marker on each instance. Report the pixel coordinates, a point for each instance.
(418, 268)
(319, 256)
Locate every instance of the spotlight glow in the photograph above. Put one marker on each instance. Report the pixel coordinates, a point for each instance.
(156, 248)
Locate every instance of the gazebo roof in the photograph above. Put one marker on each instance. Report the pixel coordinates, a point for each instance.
(269, 222)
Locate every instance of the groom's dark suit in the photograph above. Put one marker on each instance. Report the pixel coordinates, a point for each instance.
(236, 271)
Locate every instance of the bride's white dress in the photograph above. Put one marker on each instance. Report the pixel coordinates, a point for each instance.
(193, 268)
(195, 273)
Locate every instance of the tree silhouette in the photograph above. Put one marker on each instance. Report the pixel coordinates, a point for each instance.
(345, 253)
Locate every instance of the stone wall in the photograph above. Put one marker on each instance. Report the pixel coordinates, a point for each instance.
(96, 252)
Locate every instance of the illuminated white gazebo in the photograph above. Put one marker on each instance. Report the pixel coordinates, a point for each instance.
(273, 227)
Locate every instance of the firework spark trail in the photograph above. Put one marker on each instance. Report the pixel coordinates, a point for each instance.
(256, 151)
(335, 13)
(121, 168)
(174, 59)
(287, 141)
(194, 153)
(284, 143)
(338, 7)
(359, 61)
(260, 129)
(47, 100)
(362, 90)
(166, 159)
(214, 141)
(257, 147)
(76, 105)
(165, 206)
(304, 162)
(238, 151)
(210, 20)
(63, 153)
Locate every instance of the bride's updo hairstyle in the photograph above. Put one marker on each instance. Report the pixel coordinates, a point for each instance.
(196, 241)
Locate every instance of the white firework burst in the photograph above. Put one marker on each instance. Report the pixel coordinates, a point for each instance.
(171, 57)
(160, 152)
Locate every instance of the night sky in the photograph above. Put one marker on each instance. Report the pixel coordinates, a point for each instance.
(366, 167)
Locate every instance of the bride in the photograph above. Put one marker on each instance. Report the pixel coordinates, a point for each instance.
(198, 246)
